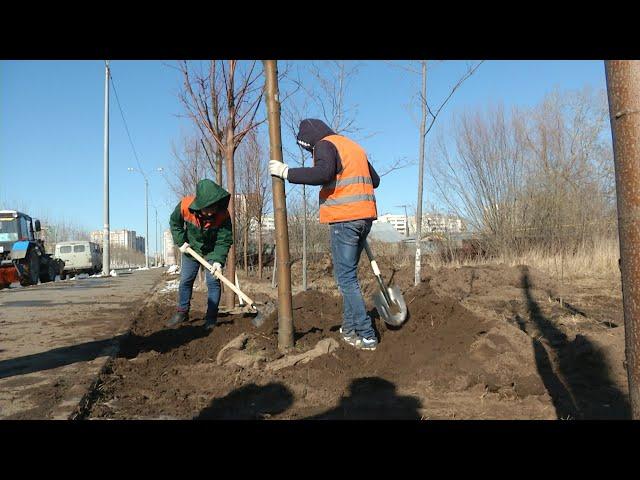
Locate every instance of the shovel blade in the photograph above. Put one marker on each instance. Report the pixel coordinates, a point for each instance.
(395, 313)
(262, 314)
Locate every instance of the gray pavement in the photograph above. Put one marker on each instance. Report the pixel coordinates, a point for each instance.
(56, 337)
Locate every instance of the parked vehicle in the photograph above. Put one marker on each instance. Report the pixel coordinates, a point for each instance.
(80, 256)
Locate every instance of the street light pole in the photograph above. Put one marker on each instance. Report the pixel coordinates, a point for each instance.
(105, 234)
(156, 251)
(146, 212)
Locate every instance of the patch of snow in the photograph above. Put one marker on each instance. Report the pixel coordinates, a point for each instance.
(171, 286)
(173, 269)
(113, 273)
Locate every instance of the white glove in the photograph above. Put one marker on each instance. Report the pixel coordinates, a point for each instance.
(278, 169)
(215, 267)
(184, 247)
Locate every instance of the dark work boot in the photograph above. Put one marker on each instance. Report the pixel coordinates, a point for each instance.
(209, 323)
(178, 317)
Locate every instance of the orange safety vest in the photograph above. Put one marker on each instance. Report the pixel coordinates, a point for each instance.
(350, 196)
(192, 218)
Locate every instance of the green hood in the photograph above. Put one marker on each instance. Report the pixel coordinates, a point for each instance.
(208, 193)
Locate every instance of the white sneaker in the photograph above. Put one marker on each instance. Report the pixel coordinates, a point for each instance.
(367, 343)
(351, 338)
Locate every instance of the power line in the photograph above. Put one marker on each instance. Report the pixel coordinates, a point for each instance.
(135, 154)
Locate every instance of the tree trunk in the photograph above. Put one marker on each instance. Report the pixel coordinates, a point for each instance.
(623, 88)
(304, 238)
(231, 188)
(260, 249)
(423, 124)
(218, 166)
(246, 253)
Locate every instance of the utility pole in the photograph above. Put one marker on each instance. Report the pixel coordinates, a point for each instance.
(623, 88)
(156, 254)
(285, 311)
(423, 127)
(146, 212)
(105, 235)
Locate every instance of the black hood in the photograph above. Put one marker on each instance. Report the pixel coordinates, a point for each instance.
(311, 131)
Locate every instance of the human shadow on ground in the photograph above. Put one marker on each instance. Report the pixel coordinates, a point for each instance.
(249, 402)
(368, 398)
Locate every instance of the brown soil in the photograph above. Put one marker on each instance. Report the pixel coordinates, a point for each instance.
(480, 342)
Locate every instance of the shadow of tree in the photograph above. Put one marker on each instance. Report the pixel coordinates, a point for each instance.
(575, 372)
(130, 346)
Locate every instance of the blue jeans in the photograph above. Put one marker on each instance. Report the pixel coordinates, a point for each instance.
(188, 273)
(347, 243)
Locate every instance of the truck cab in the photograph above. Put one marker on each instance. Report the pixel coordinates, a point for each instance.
(22, 254)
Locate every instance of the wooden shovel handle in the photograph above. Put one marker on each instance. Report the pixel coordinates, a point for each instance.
(219, 276)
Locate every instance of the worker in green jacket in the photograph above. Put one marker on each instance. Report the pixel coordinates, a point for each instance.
(201, 222)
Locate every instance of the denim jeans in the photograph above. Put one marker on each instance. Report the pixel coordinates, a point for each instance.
(347, 243)
(188, 273)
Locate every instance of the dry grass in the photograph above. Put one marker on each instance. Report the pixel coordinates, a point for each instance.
(600, 261)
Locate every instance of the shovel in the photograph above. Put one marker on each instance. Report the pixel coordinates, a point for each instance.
(261, 316)
(388, 300)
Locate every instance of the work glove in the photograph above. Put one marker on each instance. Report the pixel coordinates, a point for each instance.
(278, 169)
(184, 247)
(215, 267)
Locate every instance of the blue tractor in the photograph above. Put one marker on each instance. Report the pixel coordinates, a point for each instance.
(22, 255)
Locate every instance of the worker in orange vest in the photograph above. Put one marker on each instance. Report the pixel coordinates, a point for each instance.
(348, 205)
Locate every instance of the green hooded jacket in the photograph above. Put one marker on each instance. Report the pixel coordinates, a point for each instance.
(212, 238)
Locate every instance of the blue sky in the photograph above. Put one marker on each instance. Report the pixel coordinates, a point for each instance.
(51, 127)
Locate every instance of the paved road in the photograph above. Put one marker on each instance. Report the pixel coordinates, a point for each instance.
(55, 338)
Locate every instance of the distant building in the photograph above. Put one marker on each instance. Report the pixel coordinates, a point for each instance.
(168, 250)
(438, 223)
(268, 223)
(431, 223)
(124, 238)
(96, 236)
(139, 244)
(398, 222)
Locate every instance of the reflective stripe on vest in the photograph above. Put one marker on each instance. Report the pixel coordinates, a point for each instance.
(349, 199)
(348, 181)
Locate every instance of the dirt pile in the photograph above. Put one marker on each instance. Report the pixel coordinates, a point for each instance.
(448, 355)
